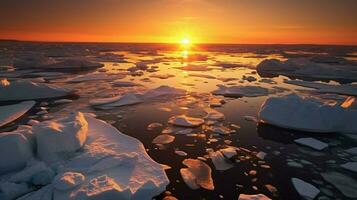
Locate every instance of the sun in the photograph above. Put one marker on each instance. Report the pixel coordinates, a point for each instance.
(185, 41)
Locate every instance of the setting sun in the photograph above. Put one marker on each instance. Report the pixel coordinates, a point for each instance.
(185, 41)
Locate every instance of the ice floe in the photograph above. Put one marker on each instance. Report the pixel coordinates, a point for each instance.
(346, 89)
(110, 165)
(308, 68)
(163, 139)
(241, 91)
(305, 190)
(220, 162)
(185, 121)
(307, 114)
(95, 77)
(253, 197)
(27, 90)
(312, 143)
(10, 113)
(117, 101)
(197, 174)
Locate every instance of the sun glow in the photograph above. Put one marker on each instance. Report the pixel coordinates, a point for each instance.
(185, 41)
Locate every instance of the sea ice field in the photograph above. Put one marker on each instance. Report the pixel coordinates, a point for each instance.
(109, 121)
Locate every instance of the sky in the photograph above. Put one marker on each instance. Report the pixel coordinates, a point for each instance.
(200, 21)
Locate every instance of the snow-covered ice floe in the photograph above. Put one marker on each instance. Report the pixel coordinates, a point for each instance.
(312, 143)
(309, 68)
(241, 91)
(27, 90)
(346, 89)
(307, 114)
(10, 113)
(90, 158)
(185, 121)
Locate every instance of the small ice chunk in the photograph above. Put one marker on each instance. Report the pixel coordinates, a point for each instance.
(261, 155)
(181, 153)
(253, 197)
(183, 120)
(162, 76)
(249, 78)
(62, 101)
(198, 174)
(219, 161)
(163, 139)
(229, 152)
(153, 126)
(13, 112)
(352, 166)
(213, 114)
(241, 91)
(250, 118)
(163, 91)
(222, 130)
(121, 100)
(305, 190)
(68, 180)
(312, 143)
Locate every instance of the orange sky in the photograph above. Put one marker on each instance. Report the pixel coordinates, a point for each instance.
(202, 21)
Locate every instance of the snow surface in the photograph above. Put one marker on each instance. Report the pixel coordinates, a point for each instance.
(307, 114)
(26, 90)
(15, 150)
(12, 112)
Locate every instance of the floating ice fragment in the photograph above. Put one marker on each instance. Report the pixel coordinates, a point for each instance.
(305, 190)
(219, 161)
(117, 101)
(346, 89)
(241, 91)
(261, 155)
(253, 197)
(181, 153)
(162, 76)
(312, 143)
(198, 174)
(183, 120)
(163, 139)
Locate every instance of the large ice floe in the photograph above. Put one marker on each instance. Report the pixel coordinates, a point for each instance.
(241, 91)
(27, 90)
(76, 158)
(346, 89)
(313, 68)
(10, 113)
(307, 114)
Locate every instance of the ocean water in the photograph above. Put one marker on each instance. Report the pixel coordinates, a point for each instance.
(198, 69)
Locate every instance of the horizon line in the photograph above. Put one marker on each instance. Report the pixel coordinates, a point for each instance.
(172, 43)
